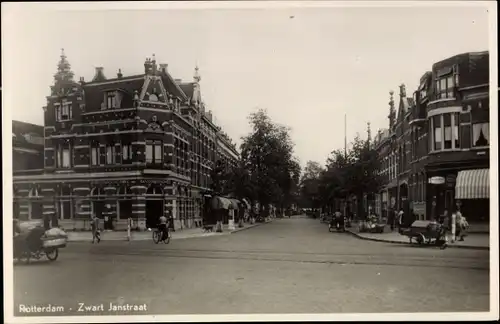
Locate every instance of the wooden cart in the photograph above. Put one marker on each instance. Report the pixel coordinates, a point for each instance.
(424, 232)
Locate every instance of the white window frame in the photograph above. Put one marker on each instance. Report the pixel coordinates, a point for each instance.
(126, 147)
(442, 132)
(110, 99)
(110, 154)
(447, 92)
(95, 148)
(472, 136)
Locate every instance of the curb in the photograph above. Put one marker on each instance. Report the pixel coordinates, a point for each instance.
(408, 243)
(247, 228)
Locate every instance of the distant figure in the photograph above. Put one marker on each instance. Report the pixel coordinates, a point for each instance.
(401, 215)
(94, 223)
(461, 225)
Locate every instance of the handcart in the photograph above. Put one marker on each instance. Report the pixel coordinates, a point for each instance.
(423, 231)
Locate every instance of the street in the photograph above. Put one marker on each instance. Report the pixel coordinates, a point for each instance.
(287, 266)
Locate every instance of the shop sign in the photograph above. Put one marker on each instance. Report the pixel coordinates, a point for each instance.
(437, 180)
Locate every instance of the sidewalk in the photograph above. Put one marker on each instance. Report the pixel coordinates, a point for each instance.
(472, 241)
(147, 235)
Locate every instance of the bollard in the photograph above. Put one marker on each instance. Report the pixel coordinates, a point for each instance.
(453, 226)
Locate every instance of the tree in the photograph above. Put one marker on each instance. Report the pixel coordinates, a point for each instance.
(267, 156)
(310, 184)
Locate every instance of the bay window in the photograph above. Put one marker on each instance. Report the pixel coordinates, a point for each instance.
(480, 134)
(446, 131)
(154, 151)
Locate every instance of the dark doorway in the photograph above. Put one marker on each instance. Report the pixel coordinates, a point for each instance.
(125, 209)
(154, 209)
(98, 208)
(36, 210)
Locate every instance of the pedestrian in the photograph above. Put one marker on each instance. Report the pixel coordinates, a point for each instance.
(94, 223)
(461, 225)
(445, 225)
(400, 218)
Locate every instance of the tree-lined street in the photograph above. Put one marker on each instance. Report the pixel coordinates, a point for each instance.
(287, 266)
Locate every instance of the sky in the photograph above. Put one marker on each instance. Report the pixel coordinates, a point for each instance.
(307, 66)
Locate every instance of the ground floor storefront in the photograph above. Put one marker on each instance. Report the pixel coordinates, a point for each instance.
(464, 189)
(70, 204)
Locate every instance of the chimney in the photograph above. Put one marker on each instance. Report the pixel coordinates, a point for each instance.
(99, 74)
(153, 65)
(119, 74)
(147, 66)
(163, 68)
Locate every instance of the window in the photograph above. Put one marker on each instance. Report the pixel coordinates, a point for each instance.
(126, 153)
(154, 151)
(111, 100)
(94, 154)
(436, 126)
(63, 156)
(110, 154)
(66, 111)
(444, 87)
(456, 130)
(63, 112)
(446, 131)
(480, 134)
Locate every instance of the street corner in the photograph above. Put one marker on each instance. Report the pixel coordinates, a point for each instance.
(395, 239)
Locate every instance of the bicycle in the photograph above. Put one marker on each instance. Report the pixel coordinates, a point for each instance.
(158, 236)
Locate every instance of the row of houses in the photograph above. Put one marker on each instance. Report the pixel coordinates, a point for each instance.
(136, 146)
(435, 154)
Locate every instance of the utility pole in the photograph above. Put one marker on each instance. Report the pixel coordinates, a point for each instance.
(345, 158)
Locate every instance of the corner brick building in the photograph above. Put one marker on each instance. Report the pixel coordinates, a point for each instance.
(435, 155)
(136, 146)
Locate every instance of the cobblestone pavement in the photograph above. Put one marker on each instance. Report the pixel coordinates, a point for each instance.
(286, 266)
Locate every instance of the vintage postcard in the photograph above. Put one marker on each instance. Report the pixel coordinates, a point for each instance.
(250, 161)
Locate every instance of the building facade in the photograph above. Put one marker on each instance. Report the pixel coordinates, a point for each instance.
(136, 146)
(436, 157)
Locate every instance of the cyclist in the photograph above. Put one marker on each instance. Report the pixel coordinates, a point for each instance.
(162, 227)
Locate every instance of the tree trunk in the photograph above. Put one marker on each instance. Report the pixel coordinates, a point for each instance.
(360, 205)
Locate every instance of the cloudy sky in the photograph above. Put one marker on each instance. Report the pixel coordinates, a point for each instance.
(307, 70)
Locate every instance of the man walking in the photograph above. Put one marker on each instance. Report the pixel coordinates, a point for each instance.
(94, 223)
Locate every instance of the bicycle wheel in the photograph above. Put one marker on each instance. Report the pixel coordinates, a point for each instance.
(156, 237)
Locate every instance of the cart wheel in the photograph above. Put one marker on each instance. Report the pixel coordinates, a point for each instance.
(420, 238)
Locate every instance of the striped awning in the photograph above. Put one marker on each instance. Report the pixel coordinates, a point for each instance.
(473, 184)
(221, 203)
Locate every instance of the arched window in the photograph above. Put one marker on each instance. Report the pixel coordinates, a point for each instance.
(154, 190)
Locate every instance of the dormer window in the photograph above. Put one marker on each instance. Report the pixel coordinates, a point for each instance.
(445, 83)
(112, 99)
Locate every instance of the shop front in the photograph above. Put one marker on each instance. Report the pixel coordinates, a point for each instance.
(441, 189)
(472, 194)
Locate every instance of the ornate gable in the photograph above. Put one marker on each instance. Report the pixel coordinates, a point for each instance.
(153, 90)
